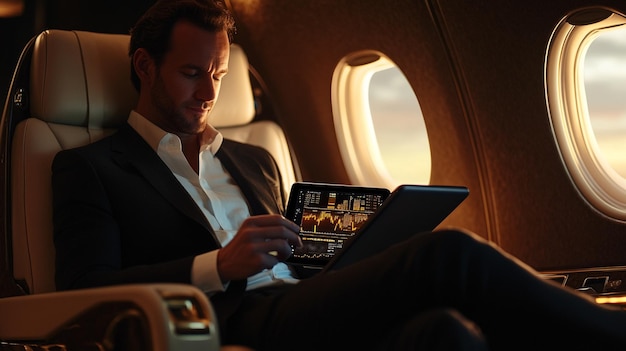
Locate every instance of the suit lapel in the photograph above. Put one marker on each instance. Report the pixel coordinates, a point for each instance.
(131, 151)
(251, 180)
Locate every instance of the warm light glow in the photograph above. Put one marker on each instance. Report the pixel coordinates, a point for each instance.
(611, 299)
(11, 8)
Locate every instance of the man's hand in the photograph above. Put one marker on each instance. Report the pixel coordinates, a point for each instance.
(261, 242)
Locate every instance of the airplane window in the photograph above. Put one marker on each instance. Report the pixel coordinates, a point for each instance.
(379, 123)
(399, 126)
(585, 75)
(605, 90)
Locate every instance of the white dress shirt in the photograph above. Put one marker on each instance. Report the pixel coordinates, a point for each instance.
(215, 193)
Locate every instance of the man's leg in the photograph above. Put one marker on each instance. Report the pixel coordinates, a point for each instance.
(436, 330)
(360, 304)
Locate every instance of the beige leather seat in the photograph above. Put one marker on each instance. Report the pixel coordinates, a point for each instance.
(78, 91)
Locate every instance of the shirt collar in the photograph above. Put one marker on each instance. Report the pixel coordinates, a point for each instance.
(153, 135)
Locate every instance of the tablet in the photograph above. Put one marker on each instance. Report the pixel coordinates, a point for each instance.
(343, 224)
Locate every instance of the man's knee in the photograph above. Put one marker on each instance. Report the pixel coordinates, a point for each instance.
(448, 321)
(449, 240)
(452, 331)
(438, 329)
(459, 235)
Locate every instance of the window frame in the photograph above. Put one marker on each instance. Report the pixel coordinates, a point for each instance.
(595, 179)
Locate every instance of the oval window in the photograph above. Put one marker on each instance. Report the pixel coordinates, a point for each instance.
(585, 74)
(379, 123)
(605, 91)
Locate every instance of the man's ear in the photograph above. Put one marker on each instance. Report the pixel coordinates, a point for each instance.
(144, 65)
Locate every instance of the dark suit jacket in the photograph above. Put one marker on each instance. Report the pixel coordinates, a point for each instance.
(120, 215)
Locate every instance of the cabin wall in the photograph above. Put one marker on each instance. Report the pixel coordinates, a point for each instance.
(537, 212)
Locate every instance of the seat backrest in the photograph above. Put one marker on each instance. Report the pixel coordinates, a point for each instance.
(79, 92)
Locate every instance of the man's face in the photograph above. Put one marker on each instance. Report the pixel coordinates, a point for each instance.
(186, 85)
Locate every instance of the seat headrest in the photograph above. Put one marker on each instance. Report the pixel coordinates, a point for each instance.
(83, 78)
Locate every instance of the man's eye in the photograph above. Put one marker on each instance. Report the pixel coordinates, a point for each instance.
(190, 74)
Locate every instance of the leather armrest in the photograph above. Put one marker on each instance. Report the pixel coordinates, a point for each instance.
(139, 317)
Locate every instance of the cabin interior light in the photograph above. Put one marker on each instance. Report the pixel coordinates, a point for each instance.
(11, 8)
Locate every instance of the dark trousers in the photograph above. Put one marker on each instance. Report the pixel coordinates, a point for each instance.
(446, 290)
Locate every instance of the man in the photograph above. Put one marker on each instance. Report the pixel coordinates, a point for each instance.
(167, 199)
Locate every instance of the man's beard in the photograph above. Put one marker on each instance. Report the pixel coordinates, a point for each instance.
(173, 115)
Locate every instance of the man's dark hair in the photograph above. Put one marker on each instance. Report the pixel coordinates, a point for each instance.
(153, 30)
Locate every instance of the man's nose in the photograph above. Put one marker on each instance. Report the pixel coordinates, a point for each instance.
(207, 88)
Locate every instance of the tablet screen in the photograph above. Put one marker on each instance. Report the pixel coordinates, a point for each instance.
(329, 214)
